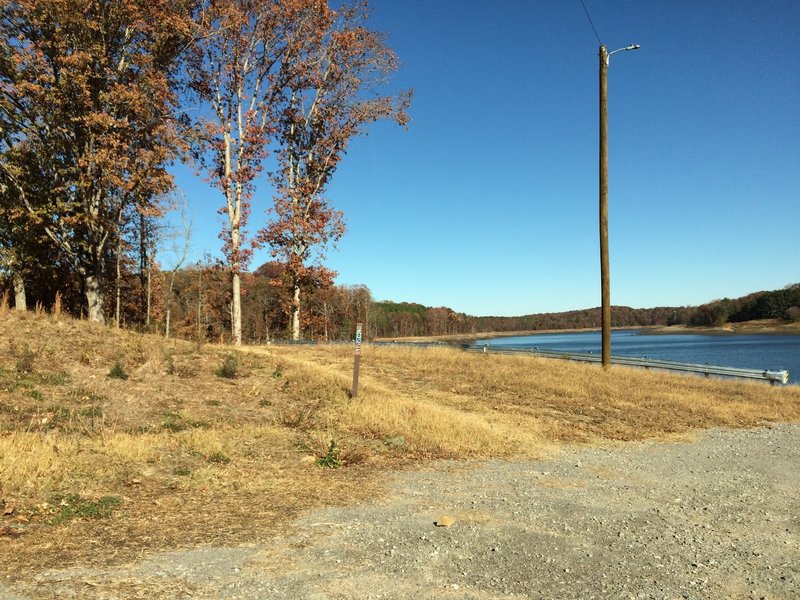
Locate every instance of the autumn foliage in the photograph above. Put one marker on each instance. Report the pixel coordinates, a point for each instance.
(99, 97)
(327, 103)
(284, 77)
(87, 92)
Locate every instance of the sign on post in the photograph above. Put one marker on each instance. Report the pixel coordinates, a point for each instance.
(357, 362)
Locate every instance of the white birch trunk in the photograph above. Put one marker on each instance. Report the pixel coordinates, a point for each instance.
(94, 299)
(20, 299)
(236, 310)
(296, 314)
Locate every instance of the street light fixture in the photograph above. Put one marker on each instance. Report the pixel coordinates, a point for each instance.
(605, 291)
(628, 47)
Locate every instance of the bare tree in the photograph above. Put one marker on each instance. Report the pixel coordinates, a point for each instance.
(180, 255)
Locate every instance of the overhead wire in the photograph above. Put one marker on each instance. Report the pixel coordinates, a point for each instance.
(588, 16)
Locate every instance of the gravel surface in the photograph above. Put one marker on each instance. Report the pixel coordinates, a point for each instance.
(718, 517)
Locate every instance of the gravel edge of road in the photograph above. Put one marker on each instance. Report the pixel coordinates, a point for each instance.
(716, 517)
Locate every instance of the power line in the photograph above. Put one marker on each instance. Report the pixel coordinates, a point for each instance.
(591, 23)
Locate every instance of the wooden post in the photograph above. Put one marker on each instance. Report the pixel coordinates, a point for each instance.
(357, 362)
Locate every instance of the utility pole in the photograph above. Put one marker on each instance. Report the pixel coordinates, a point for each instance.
(605, 285)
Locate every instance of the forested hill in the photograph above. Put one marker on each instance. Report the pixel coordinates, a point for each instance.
(393, 319)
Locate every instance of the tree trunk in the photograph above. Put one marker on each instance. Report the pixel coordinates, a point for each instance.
(94, 298)
(20, 300)
(296, 314)
(118, 281)
(325, 312)
(199, 300)
(149, 292)
(236, 310)
(143, 263)
(169, 301)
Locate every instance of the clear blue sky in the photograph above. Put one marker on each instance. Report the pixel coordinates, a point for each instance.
(488, 202)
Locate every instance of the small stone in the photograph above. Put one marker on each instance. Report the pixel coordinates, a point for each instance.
(444, 521)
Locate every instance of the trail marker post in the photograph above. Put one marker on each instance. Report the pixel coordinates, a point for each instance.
(356, 362)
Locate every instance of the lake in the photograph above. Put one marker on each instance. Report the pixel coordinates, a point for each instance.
(747, 351)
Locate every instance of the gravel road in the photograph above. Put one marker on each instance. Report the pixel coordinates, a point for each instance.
(718, 517)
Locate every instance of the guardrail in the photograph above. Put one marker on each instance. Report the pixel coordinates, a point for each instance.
(774, 377)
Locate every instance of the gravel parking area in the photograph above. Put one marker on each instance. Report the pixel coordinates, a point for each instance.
(717, 517)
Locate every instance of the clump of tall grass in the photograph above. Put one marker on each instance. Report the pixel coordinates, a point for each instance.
(118, 371)
(229, 369)
(25, 358)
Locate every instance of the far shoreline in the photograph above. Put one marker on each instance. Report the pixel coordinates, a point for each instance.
(760, 327)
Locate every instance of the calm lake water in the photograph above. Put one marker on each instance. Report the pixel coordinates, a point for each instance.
(744, 351)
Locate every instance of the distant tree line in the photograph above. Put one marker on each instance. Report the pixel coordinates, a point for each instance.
(194, 302)
(394, 320)
(405, 319)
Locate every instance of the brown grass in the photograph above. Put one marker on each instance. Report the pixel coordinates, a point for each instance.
(199, 459)
(454, 404)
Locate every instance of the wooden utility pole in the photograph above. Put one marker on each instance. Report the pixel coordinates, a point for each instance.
(605, 286)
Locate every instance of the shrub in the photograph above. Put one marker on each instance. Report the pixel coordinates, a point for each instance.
(170, 364)
(230, 367)
(26, 358)
(331, 458)
(118, 371)
(218, 457)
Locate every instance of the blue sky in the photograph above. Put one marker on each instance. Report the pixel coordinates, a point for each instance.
(488, 202)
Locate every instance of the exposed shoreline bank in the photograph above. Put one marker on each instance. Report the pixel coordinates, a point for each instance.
(764, 327)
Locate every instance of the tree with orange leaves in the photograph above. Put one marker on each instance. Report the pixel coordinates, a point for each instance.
(237, 69)
(330, 98)
(88, 87)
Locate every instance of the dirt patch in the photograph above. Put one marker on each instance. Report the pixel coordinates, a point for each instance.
(718, 517)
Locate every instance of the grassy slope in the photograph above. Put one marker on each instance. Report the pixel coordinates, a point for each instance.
(198, 459)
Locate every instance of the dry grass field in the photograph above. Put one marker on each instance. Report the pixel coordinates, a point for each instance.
(115, 444)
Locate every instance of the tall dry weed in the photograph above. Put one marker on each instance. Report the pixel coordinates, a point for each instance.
(57, 309)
